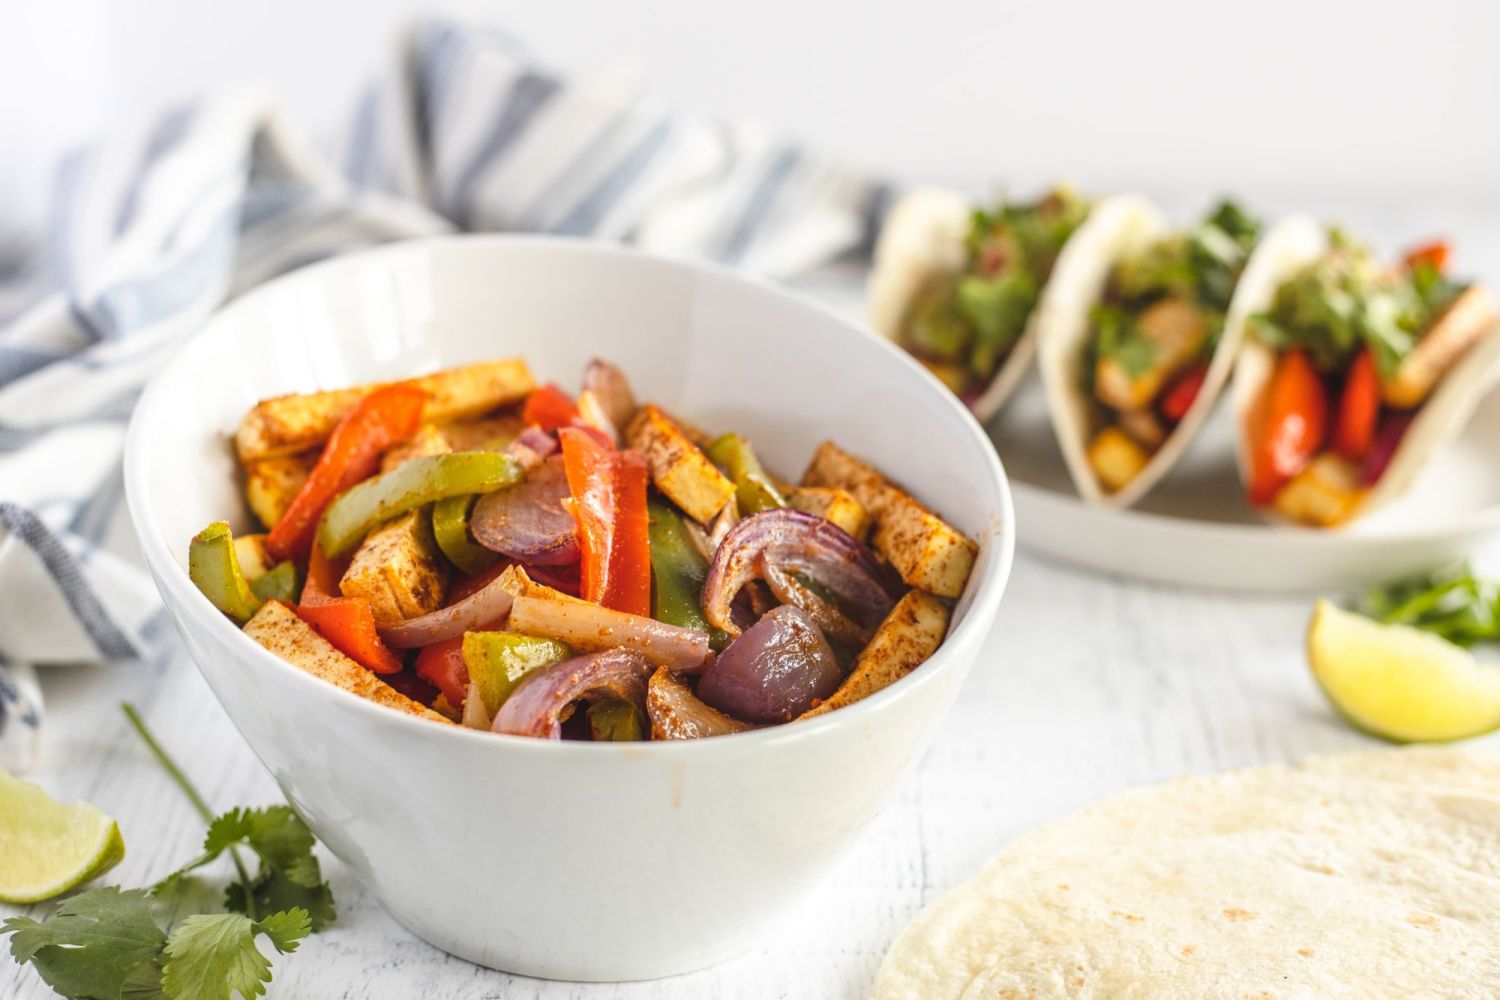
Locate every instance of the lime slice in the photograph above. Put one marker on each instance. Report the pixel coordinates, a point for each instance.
(47, 848)
(1398, 682)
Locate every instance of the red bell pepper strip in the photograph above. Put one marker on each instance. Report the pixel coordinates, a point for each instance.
(1288, 426)
(321, 584)
(1359, 409)
(381, 419)
(349, 626)
(549, 408)
(609, 505)
(346, 622)
(442, 665)
(1434, 253)
(1179, 395)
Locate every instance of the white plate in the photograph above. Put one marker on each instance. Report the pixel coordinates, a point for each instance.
(1196, 528)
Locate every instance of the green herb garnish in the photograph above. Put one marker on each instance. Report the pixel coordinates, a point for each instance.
(107, 942)
(1454, 604)
(965, 327)
(1345, 301)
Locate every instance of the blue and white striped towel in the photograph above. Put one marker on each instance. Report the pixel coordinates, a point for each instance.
(154, 230)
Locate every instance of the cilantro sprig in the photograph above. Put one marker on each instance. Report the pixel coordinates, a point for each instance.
(1452, 603)
(108, 943)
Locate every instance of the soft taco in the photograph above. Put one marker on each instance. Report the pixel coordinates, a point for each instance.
(1354, 373)
(1140, 340)
(962, 288)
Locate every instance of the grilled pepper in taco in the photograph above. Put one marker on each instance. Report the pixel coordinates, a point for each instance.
(1354, 373)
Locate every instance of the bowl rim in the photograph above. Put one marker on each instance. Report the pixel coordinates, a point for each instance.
(987, 591)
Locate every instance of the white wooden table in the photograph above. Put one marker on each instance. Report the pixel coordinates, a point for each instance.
(1087, 685)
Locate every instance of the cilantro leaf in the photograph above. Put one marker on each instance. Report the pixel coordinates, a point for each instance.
(275, 891)
(1453, 604)
(144, 982)
(289, 874)
(214, 956)
(94, 945)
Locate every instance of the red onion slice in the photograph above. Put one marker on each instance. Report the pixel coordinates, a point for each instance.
(475, 715)
(527, 521)
(531, 447)
(487, 606)
(537, 708)
(774, 671)
(592, 416)
(610, 389)
(724, 521)
(1388, 437)
(678, 714)
(791, 541)
(790, 590)
(582, 625)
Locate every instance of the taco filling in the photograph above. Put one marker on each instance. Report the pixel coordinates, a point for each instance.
(1359, 348)
(1153, 333)
(963, 327)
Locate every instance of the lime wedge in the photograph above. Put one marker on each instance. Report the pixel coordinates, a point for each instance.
(1398, 682)
(47, 848)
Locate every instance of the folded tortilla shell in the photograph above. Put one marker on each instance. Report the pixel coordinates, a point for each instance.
(921, 243)
(1295, 243)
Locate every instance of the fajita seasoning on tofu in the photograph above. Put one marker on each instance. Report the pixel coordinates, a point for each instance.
(472, 547)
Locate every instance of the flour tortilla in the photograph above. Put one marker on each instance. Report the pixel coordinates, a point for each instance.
(1263, 914)
(1295, 243)
(1119, 227)
(922, 243)
(1440, 805)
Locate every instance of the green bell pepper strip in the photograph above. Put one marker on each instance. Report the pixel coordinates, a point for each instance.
(616, 720)
(678, 570)
(752, 486)
(281, 582)
(498, 661)
(450, 526)
(361, 509)
(215, 570)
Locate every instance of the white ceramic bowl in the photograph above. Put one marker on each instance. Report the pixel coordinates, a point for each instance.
(567, 860)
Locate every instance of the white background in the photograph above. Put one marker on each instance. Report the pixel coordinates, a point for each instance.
(1382, 104)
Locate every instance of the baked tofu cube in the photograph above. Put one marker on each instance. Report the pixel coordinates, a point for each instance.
(928, 552)
(427, 441)
(678, 466)
(271, 484)
(921, 546)
(832, 504)
(289, 424)
(1172, 331)
(398, 569)
(909, 635)
(833, 467)
(277, 627)
(1325, 494)
(1116, 458)
(251, 552)
(483, 433)
(1466, 320)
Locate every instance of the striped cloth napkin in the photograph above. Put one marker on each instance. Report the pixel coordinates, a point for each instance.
(155, 229)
